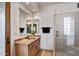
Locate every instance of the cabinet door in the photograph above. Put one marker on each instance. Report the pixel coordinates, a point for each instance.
(21, 50)
(34, 48)
(37, 47)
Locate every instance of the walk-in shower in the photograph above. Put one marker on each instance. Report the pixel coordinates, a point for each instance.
(67, 34)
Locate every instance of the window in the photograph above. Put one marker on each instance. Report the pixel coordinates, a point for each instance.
(67, 25)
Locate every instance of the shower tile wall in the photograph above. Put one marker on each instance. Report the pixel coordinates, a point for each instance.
(76, 30)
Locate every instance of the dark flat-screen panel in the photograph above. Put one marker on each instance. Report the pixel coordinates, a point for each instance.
(46, 29)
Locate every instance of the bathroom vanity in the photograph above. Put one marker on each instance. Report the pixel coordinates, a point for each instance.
(27, 46)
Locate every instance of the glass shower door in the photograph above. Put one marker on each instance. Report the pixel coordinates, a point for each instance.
(67, 36)
(60, 39)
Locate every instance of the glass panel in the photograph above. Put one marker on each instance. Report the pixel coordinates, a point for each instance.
(67, 40)
(67, 25)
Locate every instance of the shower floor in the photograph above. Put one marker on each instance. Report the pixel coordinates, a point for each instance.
(70, 51)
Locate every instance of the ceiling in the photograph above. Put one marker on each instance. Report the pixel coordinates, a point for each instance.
(31, 6)
(47, 3)
(35, 6)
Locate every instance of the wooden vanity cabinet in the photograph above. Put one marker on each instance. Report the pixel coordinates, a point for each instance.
(28, 50)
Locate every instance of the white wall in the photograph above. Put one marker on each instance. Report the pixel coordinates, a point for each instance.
(22, 21)
(47, 19)
(2, 29)
(15, 23)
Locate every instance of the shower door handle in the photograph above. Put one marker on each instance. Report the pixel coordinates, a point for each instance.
(57, 33)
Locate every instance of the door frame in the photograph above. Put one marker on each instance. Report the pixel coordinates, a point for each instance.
(7, 28)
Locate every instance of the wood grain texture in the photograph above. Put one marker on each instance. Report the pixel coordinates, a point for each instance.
(7, 28)
(22, 48)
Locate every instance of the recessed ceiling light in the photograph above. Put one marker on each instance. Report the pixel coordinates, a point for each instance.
(29, 22)
(27, 2)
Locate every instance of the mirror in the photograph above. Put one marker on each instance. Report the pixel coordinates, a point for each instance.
(22, 21)
(29, 24)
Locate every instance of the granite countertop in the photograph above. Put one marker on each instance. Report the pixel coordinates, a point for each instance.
(26, 41)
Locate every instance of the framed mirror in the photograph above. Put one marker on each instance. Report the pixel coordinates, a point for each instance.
(35, 28)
